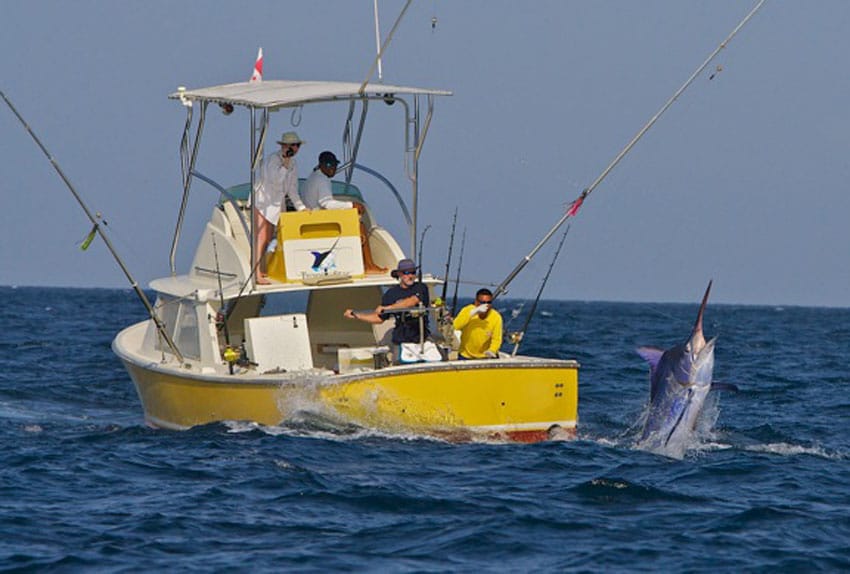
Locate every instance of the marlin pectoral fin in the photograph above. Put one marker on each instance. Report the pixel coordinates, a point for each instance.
(651, 355)
(724, 387)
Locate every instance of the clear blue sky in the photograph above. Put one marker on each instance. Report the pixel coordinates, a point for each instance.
(744, 180)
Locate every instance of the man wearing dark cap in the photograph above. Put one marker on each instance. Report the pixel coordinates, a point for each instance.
(317, 189)
(411, 328)
(318, 194)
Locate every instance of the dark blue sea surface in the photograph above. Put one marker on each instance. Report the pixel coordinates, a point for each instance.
(86, 486)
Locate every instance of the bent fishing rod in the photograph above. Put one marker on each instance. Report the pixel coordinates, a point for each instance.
(573, 208)
(97, 228)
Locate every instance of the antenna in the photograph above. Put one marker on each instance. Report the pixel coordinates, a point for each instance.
(384, 47)
(378, 42)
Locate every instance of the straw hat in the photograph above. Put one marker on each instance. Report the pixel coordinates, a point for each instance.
(290, 138)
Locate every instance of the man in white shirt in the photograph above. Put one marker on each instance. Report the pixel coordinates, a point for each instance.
(318, 194)
(278, 182)
(318, 190)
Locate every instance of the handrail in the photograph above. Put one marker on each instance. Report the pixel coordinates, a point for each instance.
(389, 184)
(230, 197)
(187, 164)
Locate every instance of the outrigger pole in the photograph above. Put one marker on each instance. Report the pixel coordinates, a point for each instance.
(418, 137)
(96, 223)
(576, 204)
(377, 61)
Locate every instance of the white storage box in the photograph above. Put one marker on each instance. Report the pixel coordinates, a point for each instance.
(279, 343)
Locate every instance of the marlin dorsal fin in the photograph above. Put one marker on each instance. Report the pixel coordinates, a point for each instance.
(651, 355)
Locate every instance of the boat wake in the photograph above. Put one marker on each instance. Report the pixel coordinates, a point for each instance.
(701, 442)
(786, 449)
(316, 427)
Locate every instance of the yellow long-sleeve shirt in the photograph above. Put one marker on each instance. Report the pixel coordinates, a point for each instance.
(478, 335)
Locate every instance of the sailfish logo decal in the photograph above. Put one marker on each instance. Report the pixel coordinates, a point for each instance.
(322, 259)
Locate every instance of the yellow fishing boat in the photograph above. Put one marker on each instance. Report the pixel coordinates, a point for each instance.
(221, 346)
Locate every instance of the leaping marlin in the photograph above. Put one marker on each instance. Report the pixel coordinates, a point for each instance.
(320, 256)
(680, 379)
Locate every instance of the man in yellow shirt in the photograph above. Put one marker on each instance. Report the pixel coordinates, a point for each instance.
(481, 328)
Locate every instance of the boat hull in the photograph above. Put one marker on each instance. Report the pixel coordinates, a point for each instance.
(513, 399)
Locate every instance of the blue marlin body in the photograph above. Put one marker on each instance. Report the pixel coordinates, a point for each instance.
(680, 380)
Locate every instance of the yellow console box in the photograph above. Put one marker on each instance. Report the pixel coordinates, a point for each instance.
(322, 241)
(317, 223)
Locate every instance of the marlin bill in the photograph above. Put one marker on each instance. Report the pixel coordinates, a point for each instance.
(680, 380)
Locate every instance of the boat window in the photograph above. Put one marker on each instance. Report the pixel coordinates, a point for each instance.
(186, 336)
(166, 310)
(181, 323)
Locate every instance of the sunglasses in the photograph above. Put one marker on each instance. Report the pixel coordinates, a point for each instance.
(480, 302)
(408, 272)
(292, 145)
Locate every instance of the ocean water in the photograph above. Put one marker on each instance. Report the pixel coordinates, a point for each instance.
(86, 486)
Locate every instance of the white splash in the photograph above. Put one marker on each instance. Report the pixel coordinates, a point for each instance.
(786, 449)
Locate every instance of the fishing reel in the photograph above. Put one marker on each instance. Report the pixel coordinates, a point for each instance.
(231, 355)
(220, 321)
(515, 337)
(443, 315)
(236, 356)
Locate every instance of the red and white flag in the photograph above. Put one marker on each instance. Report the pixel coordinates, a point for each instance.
(257, 76)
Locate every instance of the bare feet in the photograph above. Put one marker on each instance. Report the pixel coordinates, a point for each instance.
(263, 280)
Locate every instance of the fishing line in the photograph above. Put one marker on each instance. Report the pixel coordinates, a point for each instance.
(518, 337)
(576, 204)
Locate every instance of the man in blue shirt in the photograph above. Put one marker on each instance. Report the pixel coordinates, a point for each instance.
(411, 327)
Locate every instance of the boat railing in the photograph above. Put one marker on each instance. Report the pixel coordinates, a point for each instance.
(391, 187)
(340, 189)
(230, 197)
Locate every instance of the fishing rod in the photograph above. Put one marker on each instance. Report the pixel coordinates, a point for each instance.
(422, 316)
(230, 355)
(516, 338)
(421, 245)
(449, 258)
(444, 318)
(399, 310)
(459, 265)
(97, 228)
(573, 208)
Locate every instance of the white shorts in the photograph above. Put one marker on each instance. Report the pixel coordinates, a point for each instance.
(416, 353)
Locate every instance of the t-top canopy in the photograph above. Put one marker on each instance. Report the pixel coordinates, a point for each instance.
(274, 94)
